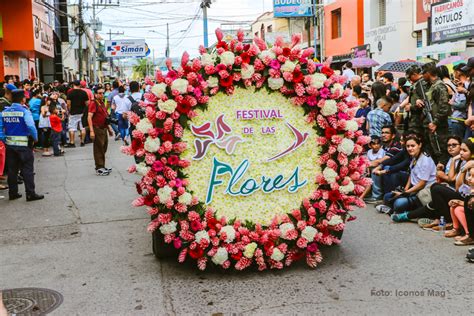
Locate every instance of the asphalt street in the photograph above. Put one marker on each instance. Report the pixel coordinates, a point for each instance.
(87, 242)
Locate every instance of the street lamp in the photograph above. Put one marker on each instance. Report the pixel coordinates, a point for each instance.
(167, 52)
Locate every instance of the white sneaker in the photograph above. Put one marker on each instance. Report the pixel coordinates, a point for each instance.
(383, 209)
(102, 172)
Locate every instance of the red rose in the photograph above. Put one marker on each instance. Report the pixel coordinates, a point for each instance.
(327, 71)
(297, 76)
(246, 47)
(183, 108)
(221, 44)
(286, 52)
(167, 137)
(173, 160)
(268, 245)
(148, 200)
(211, 223)
(226, 82)
(196, 253)
(330, 132)
(245, 58)
(136, 144)
(237, 256)
(334, 195)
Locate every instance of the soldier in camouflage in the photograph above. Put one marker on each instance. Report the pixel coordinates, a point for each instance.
(438, 96)
(415, 113)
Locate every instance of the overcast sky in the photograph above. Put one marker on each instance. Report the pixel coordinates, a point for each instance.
(136, 18)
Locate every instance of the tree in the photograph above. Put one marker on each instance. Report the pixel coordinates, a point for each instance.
(141, 69)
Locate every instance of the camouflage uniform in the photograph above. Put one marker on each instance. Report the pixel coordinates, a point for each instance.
(438, 97)
(415, 119)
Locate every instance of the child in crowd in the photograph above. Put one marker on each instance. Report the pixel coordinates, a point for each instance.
(56, 129)
(375, 152)
(363, 110)
(460, 225)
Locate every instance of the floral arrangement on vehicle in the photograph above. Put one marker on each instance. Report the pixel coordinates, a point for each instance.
(248, 155)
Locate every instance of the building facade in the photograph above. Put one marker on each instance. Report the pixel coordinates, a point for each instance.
(388, 27)
(343, 29)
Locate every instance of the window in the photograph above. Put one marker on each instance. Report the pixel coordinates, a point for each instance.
(336, 28)
(382, 12)
(269, 28)
(262, 32)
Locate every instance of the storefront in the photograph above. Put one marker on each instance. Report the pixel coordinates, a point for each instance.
(27, 45)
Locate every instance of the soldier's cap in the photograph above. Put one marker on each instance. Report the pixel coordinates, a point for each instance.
(469, 66)
(10, 87)
(17, 93)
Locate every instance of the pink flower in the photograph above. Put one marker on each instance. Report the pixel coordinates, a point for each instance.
(157, 166)
(177, 243)
(324, 93)
(275, 64)
(312, 247)
(178, 183)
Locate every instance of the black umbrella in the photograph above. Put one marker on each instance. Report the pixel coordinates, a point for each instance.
(398, 66)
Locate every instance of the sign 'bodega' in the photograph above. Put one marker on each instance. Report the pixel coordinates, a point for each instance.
(249, 186)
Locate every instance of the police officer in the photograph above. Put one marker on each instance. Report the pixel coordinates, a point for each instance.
(415, 118)
(435, 131)
(16, 125)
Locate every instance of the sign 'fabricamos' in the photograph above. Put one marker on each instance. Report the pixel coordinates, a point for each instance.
(452, 20)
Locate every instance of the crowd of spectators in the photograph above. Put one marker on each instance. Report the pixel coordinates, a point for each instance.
(70, 113)
(421, 151)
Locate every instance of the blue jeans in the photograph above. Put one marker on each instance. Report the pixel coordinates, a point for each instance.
(122, 126)
(376, 187)
(456, 128)
(392, 180)
(402, 204)
(56, 139)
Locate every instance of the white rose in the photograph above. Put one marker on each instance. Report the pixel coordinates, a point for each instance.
(309, 233)
(158, 89)
(277, 255)
(275, 83)
(346, 146)
(207, 59)
(200, 235)
(168, 106)
(285, 228)
(144, 125)
(247, 72)
(212, 82)
(185, 198)
(352, 126)
(329, 108)
(288, 66)
(169, 228)
(317, 80)
(227, 58)
(337, 87)
(221, 256)
(152, 144)
(164, 194)
(330, 175)
(229, 232)
(267, 53)
(142, 168)
(249, 250)
(347, 188)
(335, 220)
(180, 85)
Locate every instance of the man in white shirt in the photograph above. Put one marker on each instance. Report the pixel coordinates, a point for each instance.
(348, 72)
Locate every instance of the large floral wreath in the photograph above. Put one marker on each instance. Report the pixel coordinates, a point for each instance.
(187, 223)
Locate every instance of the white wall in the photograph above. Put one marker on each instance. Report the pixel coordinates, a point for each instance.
(395, 37)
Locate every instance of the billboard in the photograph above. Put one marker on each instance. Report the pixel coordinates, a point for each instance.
(125, 48)
(452, 20)
(292, 8)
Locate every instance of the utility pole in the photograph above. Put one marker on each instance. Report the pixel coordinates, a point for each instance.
(315, 26)
(80, 30)
(167, 53)
(204, 5)
(96, 4)
(110, 38)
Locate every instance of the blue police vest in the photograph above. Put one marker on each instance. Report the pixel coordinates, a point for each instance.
(16, 130)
